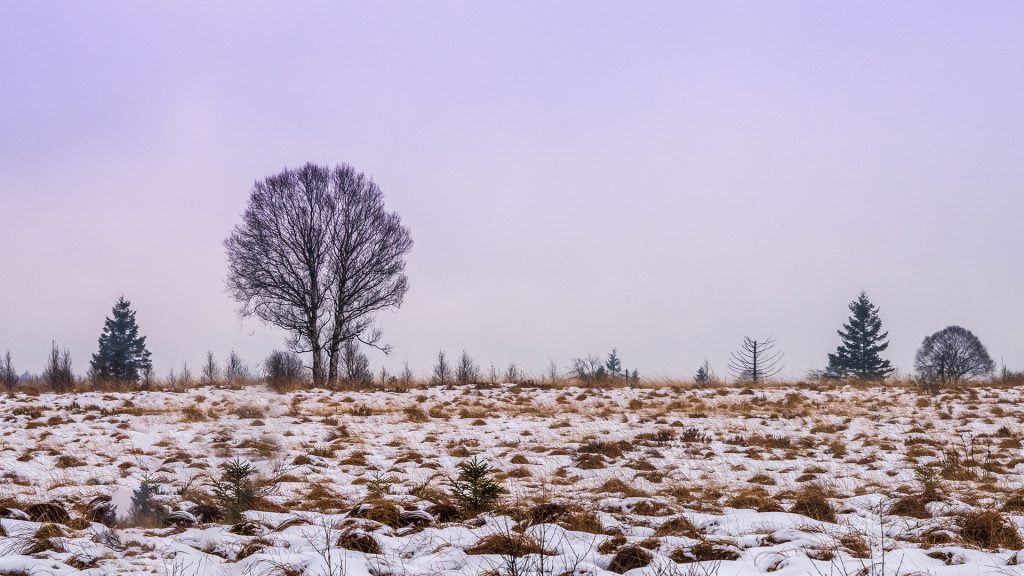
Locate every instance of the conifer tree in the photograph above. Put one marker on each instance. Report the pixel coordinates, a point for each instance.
(122, 354)
(863, 342)
(613, 365)
(475, 488)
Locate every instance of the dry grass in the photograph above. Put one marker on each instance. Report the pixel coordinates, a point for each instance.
(628, 558)
(989, 529)
(812, 501)
(511, 544)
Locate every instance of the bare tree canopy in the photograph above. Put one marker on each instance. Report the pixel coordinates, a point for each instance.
(368, 262)
(317, 255)
(756, 360)
(952, 355)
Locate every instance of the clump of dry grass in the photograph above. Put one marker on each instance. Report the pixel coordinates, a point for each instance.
(915, 505)
(706, 551)
(616, 485)
(359, 541)
(48, 512)
(678, 526)
(512, 544)
(856, 544)
(812, 501)
(384, 512)
(250, 412)
(754, 499)
(628, 558)
(1014, 503)
(989, 529)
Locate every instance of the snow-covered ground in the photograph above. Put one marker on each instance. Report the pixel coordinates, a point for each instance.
(714, 481)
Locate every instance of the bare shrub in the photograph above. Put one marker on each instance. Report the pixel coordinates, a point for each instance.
(283, 370)
(235, 372)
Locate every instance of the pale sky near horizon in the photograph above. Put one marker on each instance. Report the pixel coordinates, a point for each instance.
(661, 177)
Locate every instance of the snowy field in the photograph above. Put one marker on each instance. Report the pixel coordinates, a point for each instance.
(782, 480)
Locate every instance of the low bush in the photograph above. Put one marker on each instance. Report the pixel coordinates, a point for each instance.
(284, 371)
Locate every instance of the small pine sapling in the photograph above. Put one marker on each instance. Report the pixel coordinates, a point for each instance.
(475, 488)
(234, 490)
(146, 510)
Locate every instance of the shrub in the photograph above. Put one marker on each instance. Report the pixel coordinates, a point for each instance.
(284, 370)
(235, 489)
(355, 366)
(379, 484)
(475, 488)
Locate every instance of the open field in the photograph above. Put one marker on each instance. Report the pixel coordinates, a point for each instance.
(780, 480)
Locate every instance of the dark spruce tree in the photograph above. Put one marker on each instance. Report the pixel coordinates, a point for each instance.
(863, 342)
(122, 356)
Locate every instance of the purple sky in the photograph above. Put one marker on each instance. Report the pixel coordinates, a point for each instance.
(665, 179)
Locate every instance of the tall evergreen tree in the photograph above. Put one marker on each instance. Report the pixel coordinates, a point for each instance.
(863, 342)
(122, 354)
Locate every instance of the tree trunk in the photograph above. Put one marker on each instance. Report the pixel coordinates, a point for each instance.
(333, 355)
(318, 368)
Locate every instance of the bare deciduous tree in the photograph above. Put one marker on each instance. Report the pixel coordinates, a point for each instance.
(279, 257)
(8, 377)
(512, 374)
(406, 379)
(211, 372)
(756, 360)
(467, 371)
(588, 370)
(283, 370)
(552, 372)
(442, 371)
(58, 374)
(367, 259)
(317, 255)
(355, 366)
(235, 372)
(952, 355)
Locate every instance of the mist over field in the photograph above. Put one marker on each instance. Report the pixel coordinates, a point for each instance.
(578, 176)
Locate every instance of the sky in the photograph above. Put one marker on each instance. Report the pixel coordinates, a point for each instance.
(660, 177)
